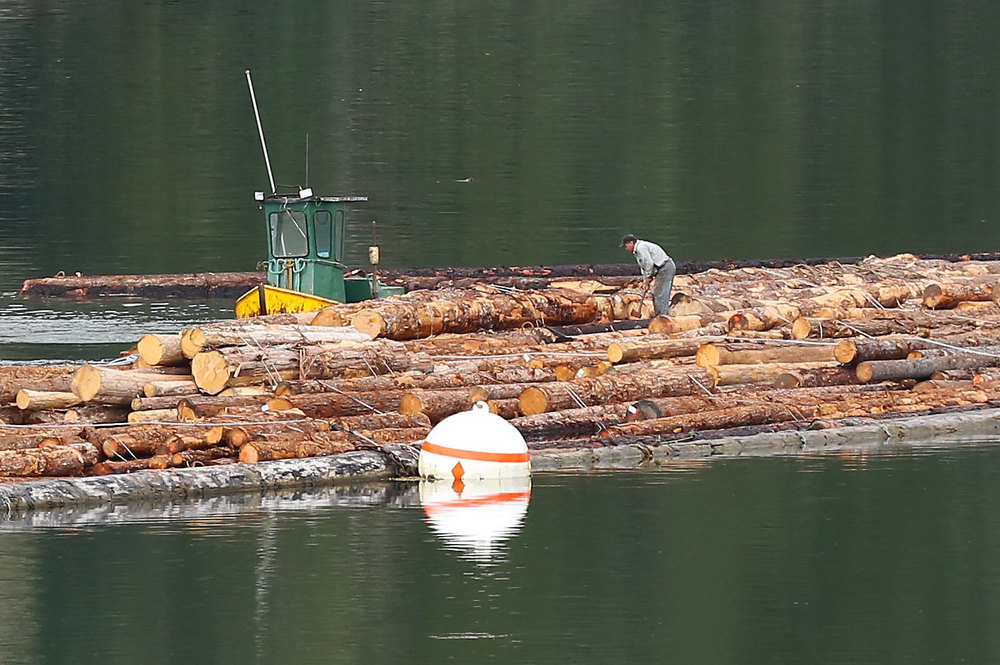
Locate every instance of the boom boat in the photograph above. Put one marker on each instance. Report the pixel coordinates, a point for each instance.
(305, 250)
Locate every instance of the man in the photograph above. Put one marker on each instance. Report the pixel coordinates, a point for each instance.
(657, 269)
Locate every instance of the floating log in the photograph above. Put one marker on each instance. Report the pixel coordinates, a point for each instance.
(161, 350)
(874, 371)
(615, 388)
(169, 388)
(479, 312)
(51, 460)
(195, 340)
(43, 378)
(812, 378)
(949, 294)
(626, 352)
(287, 447)
(714, 353)
(193, 286)
(28, 400)
(730, 375)
(92, 383)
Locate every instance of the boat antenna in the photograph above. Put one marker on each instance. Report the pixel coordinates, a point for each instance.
(307, 159)
(260, 130)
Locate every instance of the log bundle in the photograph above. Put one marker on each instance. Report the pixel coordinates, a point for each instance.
(744, 349)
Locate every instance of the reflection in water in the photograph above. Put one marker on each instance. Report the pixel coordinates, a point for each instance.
(475, 518)
(216, 509)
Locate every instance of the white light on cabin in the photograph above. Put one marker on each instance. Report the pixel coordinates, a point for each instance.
(258, 196)
(305, 193)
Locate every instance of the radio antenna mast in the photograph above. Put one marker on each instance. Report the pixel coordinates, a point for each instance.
(260, 130)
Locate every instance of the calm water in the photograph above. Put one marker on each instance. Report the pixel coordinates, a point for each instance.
(502, 133)
(833, 560)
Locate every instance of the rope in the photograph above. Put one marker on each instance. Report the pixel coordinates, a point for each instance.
(350, 397)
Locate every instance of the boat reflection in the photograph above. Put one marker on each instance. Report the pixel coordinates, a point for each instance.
(475, 518)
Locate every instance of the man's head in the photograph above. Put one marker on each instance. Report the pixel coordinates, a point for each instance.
(628, 242)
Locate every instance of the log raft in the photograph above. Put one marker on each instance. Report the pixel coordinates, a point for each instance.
(730, 360)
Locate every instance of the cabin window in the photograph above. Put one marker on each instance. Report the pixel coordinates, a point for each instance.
(323, 221)
(340, 230)
(288, 234)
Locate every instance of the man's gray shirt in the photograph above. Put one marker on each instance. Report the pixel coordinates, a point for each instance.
(648, 255)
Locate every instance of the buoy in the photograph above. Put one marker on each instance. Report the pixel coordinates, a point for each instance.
(474, 445)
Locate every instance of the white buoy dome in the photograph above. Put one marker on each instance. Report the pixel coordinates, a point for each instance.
(474, 445)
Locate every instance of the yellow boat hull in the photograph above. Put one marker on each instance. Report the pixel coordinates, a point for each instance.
(267, 299)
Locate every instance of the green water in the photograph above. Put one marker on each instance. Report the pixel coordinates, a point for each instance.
(833, 560)
(502, 133)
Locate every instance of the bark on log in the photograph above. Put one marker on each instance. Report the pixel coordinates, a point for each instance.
(192, 286)
(153, 416)
(477, 312)
(55, 460)
(949, 294)
(328, 443)
(812, 378)
(875, 371)
(586, 421)
(615, 388)
(55, 378)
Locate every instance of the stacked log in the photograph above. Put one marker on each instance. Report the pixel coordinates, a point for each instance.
(775, 347)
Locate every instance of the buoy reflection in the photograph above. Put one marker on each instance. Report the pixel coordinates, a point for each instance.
(476, 517)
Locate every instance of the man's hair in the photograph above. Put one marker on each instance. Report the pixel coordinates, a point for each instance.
(627, 238)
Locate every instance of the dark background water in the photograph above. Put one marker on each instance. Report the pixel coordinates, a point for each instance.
(719, 128)
(503, 133)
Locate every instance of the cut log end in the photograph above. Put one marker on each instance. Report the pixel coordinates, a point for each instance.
(369, 322)
(150, 349)
(708, 355)
(249, 454)
(210, 371)
(864, 371)
(801, 328)
(86, 383)
(615, 352)
(788, 380)
(846, 351)
(410, 404)
(933, 296)
(533, 401)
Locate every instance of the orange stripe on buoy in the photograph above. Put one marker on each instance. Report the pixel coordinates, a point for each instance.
(475, 455)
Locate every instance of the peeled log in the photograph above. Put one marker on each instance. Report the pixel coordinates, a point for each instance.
(161, 349)
(626, 352)
(947, 295)
(169, 388)
(730, 375)
(713, 354)
(401, 320)
(32, 400)
(56, 460)
(196, 340)
(615, 388)
(92, 383)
